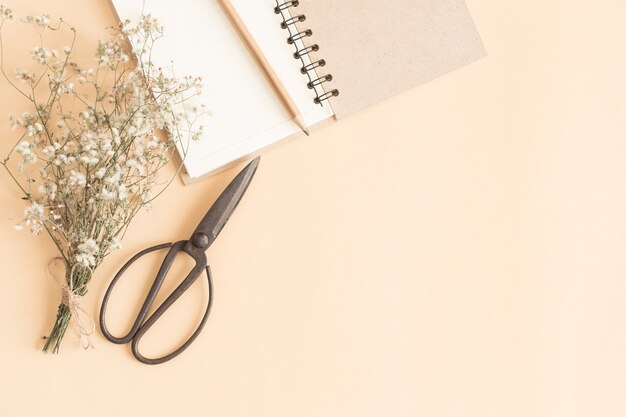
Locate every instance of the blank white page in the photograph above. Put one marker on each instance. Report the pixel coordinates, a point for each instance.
(245, 114)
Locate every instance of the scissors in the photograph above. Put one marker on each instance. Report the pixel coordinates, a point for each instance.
(200, 240)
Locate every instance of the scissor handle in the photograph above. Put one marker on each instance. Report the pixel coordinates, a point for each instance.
(153, 318)
(140, 327)
(107, 295)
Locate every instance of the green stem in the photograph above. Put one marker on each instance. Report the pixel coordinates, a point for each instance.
(80, 278)
(53, 341)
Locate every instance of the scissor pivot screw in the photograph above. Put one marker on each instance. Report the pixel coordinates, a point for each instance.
(201, 240)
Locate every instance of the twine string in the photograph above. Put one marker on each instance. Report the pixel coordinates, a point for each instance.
(81, 320)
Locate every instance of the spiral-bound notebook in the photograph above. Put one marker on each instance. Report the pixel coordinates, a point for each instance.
(335, 57)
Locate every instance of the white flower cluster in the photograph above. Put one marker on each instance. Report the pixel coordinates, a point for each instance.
(27, 150)
(34, 217)
(24, 76)
(5, 13)
(115, 244)
(110, 54)
(88, 250)
(88, 170)
(43, 55)
(42, 22)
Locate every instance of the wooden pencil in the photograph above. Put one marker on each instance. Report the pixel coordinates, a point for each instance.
(263, 64)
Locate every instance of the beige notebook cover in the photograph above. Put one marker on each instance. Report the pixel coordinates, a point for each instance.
(372, 49)
(378, 49)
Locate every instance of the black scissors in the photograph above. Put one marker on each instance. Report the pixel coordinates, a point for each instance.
(204, 235)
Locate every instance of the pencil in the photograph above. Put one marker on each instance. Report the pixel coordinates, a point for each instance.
(263, 64)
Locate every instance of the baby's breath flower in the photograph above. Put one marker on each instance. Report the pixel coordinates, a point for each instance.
(27, 150)
(35, 210)
(86, 260)
(197, 134)
(5, 13)
(116, 243)
(77, 179)
(64, 159)
(89, 160)
(49, 152)
(114, 178)
(115, 134)
(100, 173)
(89, 246)
(34, 129)
(135, 164)
(41, 54)
(48, 191)
(94, 142)
(23, 76)
(106, 194)
(34, 217)
(110, 53)
(42, 21)
(65, 88)
(88, 250)
(122, 194)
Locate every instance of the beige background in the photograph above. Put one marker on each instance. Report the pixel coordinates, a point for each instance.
(457, 251)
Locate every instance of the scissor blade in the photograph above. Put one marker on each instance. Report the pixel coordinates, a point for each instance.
(219, 213)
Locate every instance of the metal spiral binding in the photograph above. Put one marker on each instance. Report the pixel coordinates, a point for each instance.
(296, 38)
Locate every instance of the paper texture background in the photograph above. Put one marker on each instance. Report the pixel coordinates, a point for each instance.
(455, 251)
(378, 49)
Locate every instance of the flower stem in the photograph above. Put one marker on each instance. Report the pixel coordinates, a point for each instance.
(79, 277)
(53, 341)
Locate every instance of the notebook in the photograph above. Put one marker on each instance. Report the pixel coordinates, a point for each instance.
(334, 57)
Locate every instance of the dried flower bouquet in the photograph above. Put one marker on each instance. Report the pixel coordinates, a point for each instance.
(87, 157)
